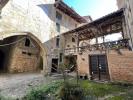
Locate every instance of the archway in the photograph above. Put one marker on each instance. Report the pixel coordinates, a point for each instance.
(43, 50)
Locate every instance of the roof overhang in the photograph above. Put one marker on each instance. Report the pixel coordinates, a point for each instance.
(59, 4)
(109, 24)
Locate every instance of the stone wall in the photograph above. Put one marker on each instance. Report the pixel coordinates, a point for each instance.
(24, 59)
(39, 18)
(121, 66)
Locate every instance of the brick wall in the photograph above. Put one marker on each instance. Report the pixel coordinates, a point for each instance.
(24, 59)
(121, 66)
(83, 64)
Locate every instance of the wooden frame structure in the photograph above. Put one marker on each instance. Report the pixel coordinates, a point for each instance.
(109, 24)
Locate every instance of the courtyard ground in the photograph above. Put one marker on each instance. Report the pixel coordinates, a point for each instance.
(17, 85)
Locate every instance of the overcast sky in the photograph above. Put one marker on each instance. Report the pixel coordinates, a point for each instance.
(95, 8)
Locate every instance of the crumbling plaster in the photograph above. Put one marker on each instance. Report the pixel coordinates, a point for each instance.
(37, 18)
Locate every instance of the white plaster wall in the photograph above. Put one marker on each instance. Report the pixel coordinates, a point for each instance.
(39, 18)
(30, 16)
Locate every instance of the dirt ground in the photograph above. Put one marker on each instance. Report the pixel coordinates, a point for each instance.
(17, 85)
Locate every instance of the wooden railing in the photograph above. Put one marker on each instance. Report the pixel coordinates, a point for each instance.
(120, 44)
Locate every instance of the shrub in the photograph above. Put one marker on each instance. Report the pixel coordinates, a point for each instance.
(71, 92)
(43, 92)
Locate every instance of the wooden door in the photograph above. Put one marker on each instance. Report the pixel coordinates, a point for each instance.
(99, 67)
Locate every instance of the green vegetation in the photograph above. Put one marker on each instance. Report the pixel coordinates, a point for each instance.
(44, 92)
(6, 98)
(85, 90)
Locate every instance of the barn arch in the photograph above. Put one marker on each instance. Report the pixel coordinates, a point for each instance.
(43, 49)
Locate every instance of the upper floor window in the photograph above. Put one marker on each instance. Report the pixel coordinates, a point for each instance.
(58, 41)
(76, 25)
(27, 42)
(73, 39)
(58, 27)
(58, 16)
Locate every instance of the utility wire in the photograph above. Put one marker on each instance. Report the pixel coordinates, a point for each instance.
(12, 42)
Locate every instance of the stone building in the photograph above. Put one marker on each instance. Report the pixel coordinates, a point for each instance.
(106, 60)
(43, 22)
(128, 6)
(22, 56)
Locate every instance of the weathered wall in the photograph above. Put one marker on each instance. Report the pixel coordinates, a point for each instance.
(83, 61)
(24, 59)
(121, 66)
(128, 26)
(37, 17)
(83, 64)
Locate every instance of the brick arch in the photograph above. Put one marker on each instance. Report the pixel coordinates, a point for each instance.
(43, 49)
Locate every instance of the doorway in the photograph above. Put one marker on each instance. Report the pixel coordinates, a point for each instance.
(2, 57)
(99, 67)
(54, 65)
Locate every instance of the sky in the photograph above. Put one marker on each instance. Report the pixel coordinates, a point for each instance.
(94, 8)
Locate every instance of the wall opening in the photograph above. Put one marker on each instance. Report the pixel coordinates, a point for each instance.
(54, 65)
(2, 58)
(20, 53)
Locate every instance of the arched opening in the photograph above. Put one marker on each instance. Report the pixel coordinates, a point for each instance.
(21, 53)
(2, 57)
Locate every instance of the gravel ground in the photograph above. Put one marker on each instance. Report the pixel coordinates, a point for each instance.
(17, 85)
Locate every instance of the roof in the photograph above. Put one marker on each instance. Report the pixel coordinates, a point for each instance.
(88, 18)
(59, 4)
(103, 22)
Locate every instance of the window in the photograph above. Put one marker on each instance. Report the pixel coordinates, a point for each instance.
(61, 57)
(27, 42)
(58, 27)
(76, 25)
(68, 46)
(58, 16)
(58, 41)
(73, 39)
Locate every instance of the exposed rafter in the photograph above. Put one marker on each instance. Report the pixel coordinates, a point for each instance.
(108, 24)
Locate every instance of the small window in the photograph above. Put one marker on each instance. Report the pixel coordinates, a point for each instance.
(29, 54)
(27, 42)
(73, 39)
(58, 27)
(61, 57)
(68, 45)
(58, 16)
(76, 25)
(23, 52)
(58, 41)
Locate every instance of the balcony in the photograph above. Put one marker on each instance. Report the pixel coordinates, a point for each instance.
(113, 45)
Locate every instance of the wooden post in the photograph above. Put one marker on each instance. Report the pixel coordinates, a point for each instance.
(103, 39)
(77, 42)
(96, 42)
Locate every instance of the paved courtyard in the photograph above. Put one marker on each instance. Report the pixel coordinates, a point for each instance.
(17, 85)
